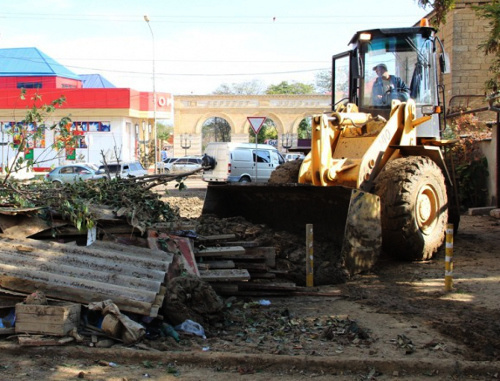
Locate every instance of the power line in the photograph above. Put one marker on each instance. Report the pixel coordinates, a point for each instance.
(171, 74)
(203, 19)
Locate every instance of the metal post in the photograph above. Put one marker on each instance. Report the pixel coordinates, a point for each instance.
(155, 129)
(185, 143)
(286, 142)
(309, 256)
(2, 127)
(448, 262)
(256, 156)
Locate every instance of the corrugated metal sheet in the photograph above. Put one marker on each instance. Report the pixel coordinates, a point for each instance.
(132, 277)
(31, 62)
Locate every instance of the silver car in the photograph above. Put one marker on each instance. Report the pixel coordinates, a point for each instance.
(71, 173)
(184, 164)
(124, 169)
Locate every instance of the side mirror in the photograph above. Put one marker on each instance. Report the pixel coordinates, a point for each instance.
(444, 63)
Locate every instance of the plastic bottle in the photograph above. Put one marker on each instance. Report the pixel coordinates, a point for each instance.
(168, 330)
(193, 327)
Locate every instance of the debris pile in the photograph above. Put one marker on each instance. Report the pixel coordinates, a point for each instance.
(131, 265)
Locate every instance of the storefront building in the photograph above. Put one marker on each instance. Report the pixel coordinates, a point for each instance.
(114, 123)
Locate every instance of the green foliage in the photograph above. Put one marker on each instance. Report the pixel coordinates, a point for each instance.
(216, 130)
(470, 164)
(163, 131)
(441, 8)
(324, 81)
(254, 87)
(472, 178)
(491, 12)
(267, 132)
(290, 88)
(78, 202)
(23, 135)
(78, 213)
(304, 130)
(146, 154)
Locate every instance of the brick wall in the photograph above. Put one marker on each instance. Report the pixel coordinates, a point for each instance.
(461, 35)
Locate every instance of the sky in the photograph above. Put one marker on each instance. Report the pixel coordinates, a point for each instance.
(194, 46)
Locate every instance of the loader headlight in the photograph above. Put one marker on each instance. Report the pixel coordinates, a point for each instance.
(365, 36)
(430, 109)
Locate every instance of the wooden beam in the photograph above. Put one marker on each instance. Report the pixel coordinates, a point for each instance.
(208, 265)
(220, 251)
(224, 275)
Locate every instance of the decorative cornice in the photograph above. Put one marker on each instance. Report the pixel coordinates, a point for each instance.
(253, 101)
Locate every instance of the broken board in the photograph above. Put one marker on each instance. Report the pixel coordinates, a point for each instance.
(56, 320)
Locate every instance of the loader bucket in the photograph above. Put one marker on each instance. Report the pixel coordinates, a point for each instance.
(348, 218)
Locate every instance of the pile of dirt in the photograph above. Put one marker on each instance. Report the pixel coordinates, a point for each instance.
(286, 173)
(290, 249)
(189, 298)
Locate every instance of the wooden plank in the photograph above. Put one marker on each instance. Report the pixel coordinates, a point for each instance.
(228, 264)
(246, 286)
(76, 294)
(38, 341)
(224, 275)
(220, 251)
(224, 288)
(252, 266)
(259, 275)
(257, 293)
(7, 331)
(269, 253)
(244, 244)
(22, 225)
(55, 320)
(219, 237)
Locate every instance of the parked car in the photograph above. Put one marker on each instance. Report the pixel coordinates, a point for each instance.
(184, 164)
(294, 156)
(164, 166)
(71, 173)
(123, 169)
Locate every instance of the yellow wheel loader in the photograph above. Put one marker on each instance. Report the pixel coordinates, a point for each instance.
(375, 177)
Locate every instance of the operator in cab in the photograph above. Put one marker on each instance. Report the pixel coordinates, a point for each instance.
(388, 87)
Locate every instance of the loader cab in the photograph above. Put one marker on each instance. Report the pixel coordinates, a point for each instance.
(406, 53)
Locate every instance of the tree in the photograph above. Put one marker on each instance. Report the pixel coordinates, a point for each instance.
(488, 10)
(267, 132)
(441, 8)
(290, 88)
(254, 87)
(491, 12)
(164, 131)
(30, 130)
(304, 129)
(324, 81)
(215, 130)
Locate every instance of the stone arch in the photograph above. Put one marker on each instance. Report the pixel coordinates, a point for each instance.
(298, 119)
(191, 111)
(205, 117)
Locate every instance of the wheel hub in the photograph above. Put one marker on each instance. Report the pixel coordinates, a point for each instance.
(426, 208)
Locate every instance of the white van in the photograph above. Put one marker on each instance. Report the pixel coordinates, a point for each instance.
(240, 162)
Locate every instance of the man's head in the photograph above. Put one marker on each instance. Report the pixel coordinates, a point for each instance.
(380, 66)
(380, 69)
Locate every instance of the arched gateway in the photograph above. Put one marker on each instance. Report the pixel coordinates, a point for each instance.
(286, 111)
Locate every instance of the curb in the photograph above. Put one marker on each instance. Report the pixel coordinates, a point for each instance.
(328, 365)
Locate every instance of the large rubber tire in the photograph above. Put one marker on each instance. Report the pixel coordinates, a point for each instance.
(414, 208)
